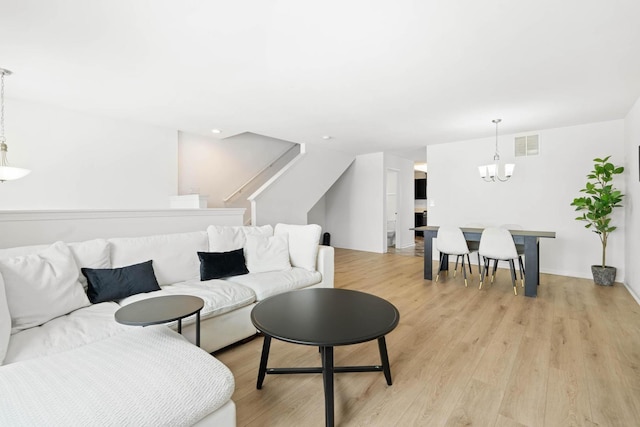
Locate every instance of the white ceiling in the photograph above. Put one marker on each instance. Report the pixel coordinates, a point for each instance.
(390, 75)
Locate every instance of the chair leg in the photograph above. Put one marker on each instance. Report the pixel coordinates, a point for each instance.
(484, 271)
(464, 272)
(521, 271)
(455, 269)
(512, 267)
(440, 266)
(479, 268)
(495, 267)
(469, 264)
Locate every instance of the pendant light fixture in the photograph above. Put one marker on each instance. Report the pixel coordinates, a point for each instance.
(491, 172)
(7, 173)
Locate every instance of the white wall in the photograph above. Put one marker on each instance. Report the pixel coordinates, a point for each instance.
(538, 196)
(405, 202)
(218, 167)
(80, 161)
(355, 206)
(26, 228)
(293, 192)
(632, 200)
(318, 213)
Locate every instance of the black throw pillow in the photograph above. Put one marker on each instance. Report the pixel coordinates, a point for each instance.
(216, 265)
(112, 284)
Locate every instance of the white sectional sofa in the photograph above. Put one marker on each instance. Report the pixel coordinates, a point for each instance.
(66, 361)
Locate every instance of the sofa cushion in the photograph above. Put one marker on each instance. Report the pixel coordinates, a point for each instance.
(303, 243)
(224, 238)
(267, 253)
(275, 282)
(216, 265)
(5, 322)
(146, 377)
(175, 256)
(91, 254)
(42, 286)
(112, 284)
(78, 328)
(219, 296)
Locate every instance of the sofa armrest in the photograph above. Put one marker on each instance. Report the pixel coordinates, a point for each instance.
(325, 265)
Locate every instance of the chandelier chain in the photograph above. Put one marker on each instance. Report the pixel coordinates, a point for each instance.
(2, 106)
(496, 155)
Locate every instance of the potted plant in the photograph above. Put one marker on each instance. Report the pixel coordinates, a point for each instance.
(601, 197)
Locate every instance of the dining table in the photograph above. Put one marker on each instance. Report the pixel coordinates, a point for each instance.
(528, 238)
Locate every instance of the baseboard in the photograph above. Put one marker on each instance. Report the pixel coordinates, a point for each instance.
(632, 292)
(406, 246)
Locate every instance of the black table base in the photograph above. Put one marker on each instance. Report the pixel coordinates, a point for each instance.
(327, 370)
(197, 328)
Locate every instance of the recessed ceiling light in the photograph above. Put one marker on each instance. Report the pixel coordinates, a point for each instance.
(325, 137)
(216, 131)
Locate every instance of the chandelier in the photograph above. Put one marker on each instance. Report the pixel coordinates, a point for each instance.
(491, 172)
(7, 173)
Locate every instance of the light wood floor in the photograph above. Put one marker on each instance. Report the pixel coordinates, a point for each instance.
(459, 356)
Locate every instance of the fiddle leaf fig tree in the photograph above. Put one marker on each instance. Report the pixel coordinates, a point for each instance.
(600, 198)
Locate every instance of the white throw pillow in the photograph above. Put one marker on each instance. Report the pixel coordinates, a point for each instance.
(174, 256)
(91, 254)
(42, 286)
(5, 322)
(264, 254)
(223, 238)
(303, 243)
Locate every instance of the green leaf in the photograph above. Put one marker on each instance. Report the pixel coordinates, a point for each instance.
(599, 198)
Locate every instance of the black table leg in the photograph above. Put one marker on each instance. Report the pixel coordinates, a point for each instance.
(198, 329)
(428, 254)
(262, 371)
(531, 266)
(327, 379)
(384, 358)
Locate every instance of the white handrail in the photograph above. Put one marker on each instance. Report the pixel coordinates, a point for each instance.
(239, 190)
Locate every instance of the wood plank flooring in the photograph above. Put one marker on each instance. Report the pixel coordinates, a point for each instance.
(462, 357)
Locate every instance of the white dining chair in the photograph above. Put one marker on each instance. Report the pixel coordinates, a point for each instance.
(497, 244)
(519, 249)
(474, 245)
(450, 241)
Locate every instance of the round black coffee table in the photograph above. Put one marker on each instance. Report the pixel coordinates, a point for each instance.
(164, 309)
(325, 318)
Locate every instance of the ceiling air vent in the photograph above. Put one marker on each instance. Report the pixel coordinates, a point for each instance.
(527, 145)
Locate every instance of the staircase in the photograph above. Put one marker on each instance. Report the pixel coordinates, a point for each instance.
(295, 189)
(239, 198)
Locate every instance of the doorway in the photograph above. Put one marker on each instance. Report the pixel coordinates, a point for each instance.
(391, 211)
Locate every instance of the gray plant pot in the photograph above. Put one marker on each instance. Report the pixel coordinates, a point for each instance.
(604, 276)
